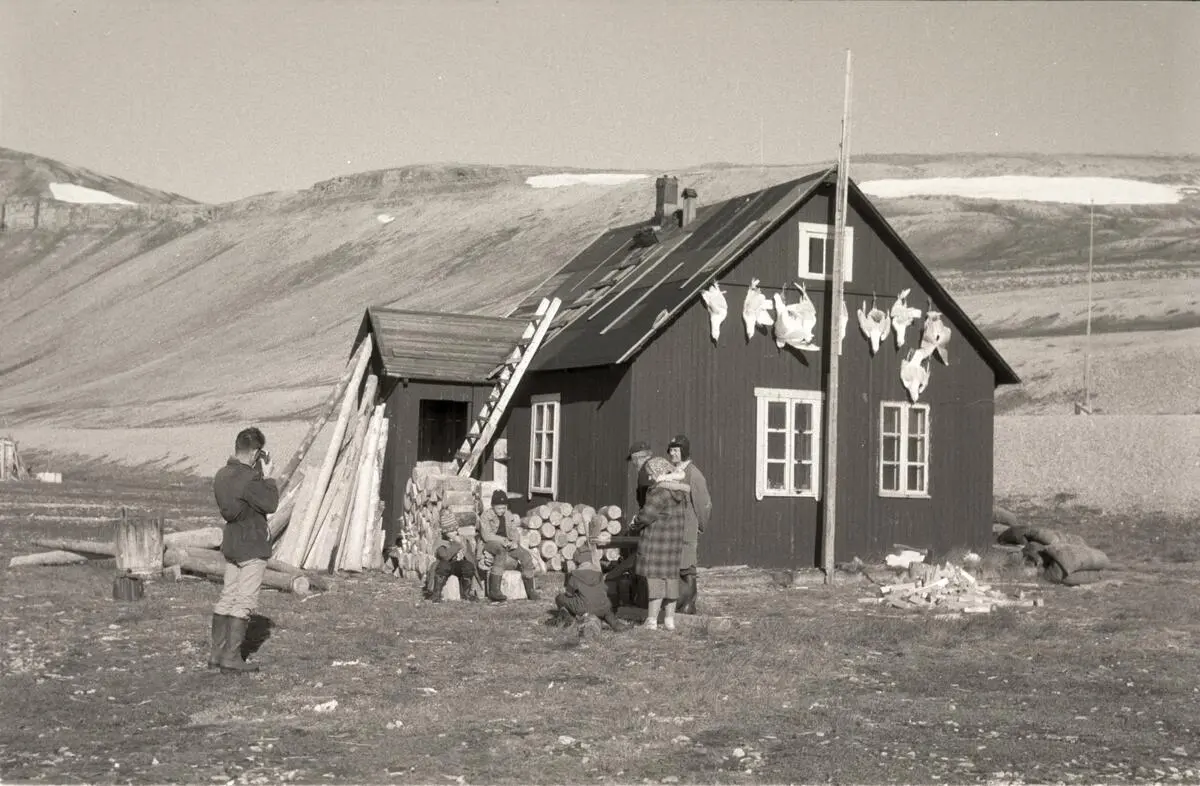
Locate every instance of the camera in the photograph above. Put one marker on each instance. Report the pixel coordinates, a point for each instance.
(264, 457)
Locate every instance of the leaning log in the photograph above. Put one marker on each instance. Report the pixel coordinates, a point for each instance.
(47, 558)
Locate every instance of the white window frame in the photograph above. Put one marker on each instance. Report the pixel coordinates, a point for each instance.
(904, 462)
(824, 232)
(552, 403)
(764, 397)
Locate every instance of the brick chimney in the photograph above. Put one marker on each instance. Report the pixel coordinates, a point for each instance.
(688, 214)
(666, 198)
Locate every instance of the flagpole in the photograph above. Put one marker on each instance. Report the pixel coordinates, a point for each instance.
(833, 342)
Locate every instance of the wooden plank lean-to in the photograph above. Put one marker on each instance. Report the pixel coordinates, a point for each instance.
(483, 435)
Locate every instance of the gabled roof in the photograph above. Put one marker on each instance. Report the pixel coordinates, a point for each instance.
(622, 291)
(441, 347)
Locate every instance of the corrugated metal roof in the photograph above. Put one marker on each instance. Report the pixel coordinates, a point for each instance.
(442, 347)
(619, 293)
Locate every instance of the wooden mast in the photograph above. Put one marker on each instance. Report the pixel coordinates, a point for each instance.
(833, 342)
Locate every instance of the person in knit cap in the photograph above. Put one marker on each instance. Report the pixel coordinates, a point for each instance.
(498, 528)
(660, 524)
(455, 557)
(699, 508)
(584, 594)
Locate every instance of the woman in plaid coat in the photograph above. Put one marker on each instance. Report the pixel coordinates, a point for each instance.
(660, 523)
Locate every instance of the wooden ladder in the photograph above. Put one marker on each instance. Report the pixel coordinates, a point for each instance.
(510, 374)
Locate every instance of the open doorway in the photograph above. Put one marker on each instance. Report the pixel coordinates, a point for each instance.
(442, 429)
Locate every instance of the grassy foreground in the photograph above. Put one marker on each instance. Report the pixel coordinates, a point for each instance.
(808, 686)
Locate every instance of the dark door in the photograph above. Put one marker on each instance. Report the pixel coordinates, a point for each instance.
(442, 429)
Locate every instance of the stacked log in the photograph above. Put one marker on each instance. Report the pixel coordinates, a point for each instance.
(554, 532)
(432, 486)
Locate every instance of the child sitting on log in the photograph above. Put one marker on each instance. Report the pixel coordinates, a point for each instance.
(455, 557)
(584, 596)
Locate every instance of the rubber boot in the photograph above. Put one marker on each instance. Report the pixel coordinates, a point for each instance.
(493, 588)
(687, 594)
(530, 588)
(466, 590)
(220, 632)
(231, 658)
(616, 623)
(439, 582)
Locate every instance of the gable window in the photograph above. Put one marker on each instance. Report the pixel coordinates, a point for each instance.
(788, 433)
(904, 450)
(543, 445)
(816, 252)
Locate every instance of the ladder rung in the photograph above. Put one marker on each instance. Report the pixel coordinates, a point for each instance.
(462, 456)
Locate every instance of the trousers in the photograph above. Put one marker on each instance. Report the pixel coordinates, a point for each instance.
(243, 580)
(510, 559)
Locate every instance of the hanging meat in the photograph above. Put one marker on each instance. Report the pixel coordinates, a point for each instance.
(756, 310)
(903, 316)
(936, 336)
(718, 309)
(914, 373)
(794, 323)
(874, 324)
(845, 324)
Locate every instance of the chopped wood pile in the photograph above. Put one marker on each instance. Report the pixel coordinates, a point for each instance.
(554, 531)
(11, 466)
(945, 588)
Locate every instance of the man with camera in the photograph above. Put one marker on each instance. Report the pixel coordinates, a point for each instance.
(245, 494)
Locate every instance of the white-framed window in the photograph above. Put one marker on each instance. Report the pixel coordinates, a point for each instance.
(544, 431)
(788, 458)
(816, 252)
(903, 449)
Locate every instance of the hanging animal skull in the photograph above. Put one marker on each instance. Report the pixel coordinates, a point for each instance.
(914, 373)
(794, 323)
(936, 336)
(718, 309)
(874, 324)
(756, 310)
(902, 316)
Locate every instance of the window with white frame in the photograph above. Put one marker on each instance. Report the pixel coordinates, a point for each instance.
(543, 445)
(904, 450)
(788, 460)
(816, 252)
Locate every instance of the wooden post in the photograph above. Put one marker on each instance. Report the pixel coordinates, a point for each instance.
(139, 546)
(829, 531)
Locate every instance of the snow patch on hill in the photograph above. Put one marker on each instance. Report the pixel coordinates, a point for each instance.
(578, 179)
(1068, 190)
(69, 192)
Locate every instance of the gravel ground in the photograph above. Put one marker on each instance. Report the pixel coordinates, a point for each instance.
(1114, 462)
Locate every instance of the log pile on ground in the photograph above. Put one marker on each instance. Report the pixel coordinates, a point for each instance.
(946, 588)
(435, 485)
(554, 531)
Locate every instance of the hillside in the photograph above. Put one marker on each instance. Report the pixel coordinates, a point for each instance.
(198, 314)
(26, 176)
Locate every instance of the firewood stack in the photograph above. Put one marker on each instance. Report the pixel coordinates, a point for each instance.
(945, 588)
(432, 486)
(555, 530)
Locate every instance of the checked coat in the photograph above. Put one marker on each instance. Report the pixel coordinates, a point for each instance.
(660, 524)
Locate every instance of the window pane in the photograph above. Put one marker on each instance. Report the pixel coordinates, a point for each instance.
(916, 449)
(891, 420)
(777, 445)
(776, 414)
(916, 478)
(537, 475)
(891, 477)
(804, 447)
(551, 416)
(891, 448)
(539, 413)
(816, 255)
(549, 447)
(803, 416)
(549, 474)
(776, 475)
(803, 477)
(916, 421)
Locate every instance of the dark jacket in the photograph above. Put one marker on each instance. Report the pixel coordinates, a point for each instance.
(699, 510)
(588, 585)
(245, 498)
(661, 523)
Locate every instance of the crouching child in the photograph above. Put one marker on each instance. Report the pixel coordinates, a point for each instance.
(584, 594)
(455, 557)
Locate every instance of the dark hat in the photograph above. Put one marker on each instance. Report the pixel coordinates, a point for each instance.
(685, 446)
(499, 497)
(641, 446)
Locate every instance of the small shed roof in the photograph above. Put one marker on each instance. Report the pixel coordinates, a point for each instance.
(441, 347)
